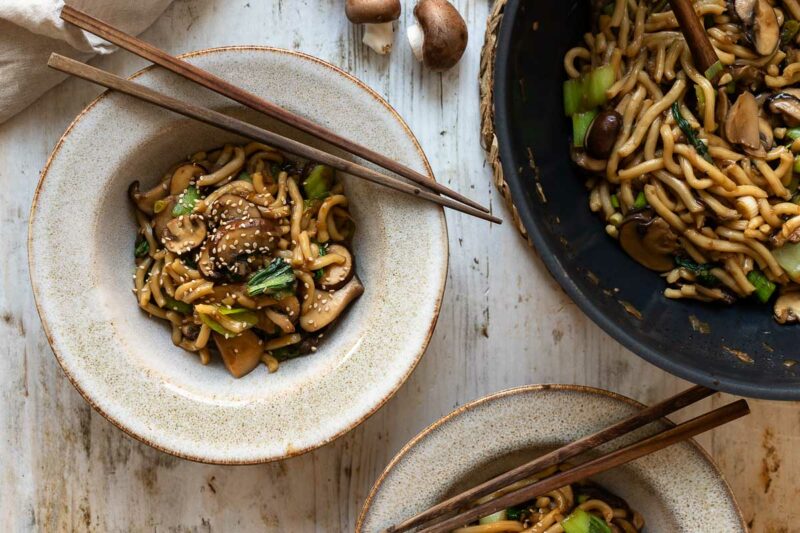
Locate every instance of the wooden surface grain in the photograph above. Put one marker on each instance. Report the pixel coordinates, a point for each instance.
(504, 323)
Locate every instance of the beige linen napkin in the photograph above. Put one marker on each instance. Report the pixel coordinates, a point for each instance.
(31, 29)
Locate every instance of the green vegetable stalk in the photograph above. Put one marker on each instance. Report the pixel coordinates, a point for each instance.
(275, 278)
(186, 202)
(597, 82)
(641, 201)
(764, 287)
(239, 314)
(142, 247)
(216, 326)
(589, 91)
(176, 305)
(789, 31)
(580, 125)
(582, 522)
(573, 97)
(318, 183)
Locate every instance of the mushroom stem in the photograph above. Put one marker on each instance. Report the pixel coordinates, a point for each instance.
(379, 37)
(415, 39)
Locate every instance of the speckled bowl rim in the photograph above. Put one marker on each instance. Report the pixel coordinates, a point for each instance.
(523, 390)
(294, 452)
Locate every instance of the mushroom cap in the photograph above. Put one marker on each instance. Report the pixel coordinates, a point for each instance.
(183, 176)
(235, 241)
(372, 11)
(145, 201)
(184, 233)
(741, 124)
(787, 307)
(444, 33)
(786, 103)
(232, 207)
(336, 275)
(241, 354)
(602, 134)
(761, 24)
(649, 240)
(331, 306)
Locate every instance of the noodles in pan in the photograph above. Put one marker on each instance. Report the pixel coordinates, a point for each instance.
(578, 508)
(245, 254)
(695, 173)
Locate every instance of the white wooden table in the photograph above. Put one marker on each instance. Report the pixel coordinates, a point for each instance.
(504, 323)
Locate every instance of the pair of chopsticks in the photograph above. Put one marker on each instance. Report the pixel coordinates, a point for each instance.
(456, 511)
(423, 187)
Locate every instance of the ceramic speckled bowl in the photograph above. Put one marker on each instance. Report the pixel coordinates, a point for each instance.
(676, 490)
(82, 232)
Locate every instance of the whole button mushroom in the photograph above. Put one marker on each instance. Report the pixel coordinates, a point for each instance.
(440, 36)
(377, 17)
(602, 134)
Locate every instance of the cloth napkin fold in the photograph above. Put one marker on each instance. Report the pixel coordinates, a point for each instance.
(31, 29)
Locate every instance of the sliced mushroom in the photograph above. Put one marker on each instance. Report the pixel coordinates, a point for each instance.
(331, 305)
(227, 294)
(184, 233)
(291, 307)
(377, 17)
(722, 107)
(761, 24)
(439, 37)
(648, 239)
(163, 217)
(602, 134)
(747, 75)
(183, 177)
(336, 275)
(232, 207)
(787, 104)
(765, 134)
(241, 354)
(145, 201)
(787, 307)
(741, 124)
(744, 9)
(231, 245)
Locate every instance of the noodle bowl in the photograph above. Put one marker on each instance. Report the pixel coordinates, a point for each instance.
(695, 173)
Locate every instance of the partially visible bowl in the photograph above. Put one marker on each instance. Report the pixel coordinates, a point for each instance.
(738, 348)
(81, 238)
(677, 490)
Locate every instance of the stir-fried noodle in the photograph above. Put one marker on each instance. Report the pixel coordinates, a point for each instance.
(695, 172)
(578, 508)
(245, 254)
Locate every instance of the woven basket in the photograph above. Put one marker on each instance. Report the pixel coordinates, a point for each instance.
(488, 136)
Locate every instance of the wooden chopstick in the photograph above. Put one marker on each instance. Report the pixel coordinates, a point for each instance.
(695, 34)
(603, 463)
(220, 86)
(225, 122)
(635, 421)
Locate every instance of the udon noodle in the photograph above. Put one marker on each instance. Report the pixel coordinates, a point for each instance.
(695, 173)
(245, 254)
(578, 508)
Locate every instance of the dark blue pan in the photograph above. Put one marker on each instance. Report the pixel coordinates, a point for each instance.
(617, 293)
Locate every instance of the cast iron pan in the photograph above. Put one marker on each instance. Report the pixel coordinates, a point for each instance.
(737, 349)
